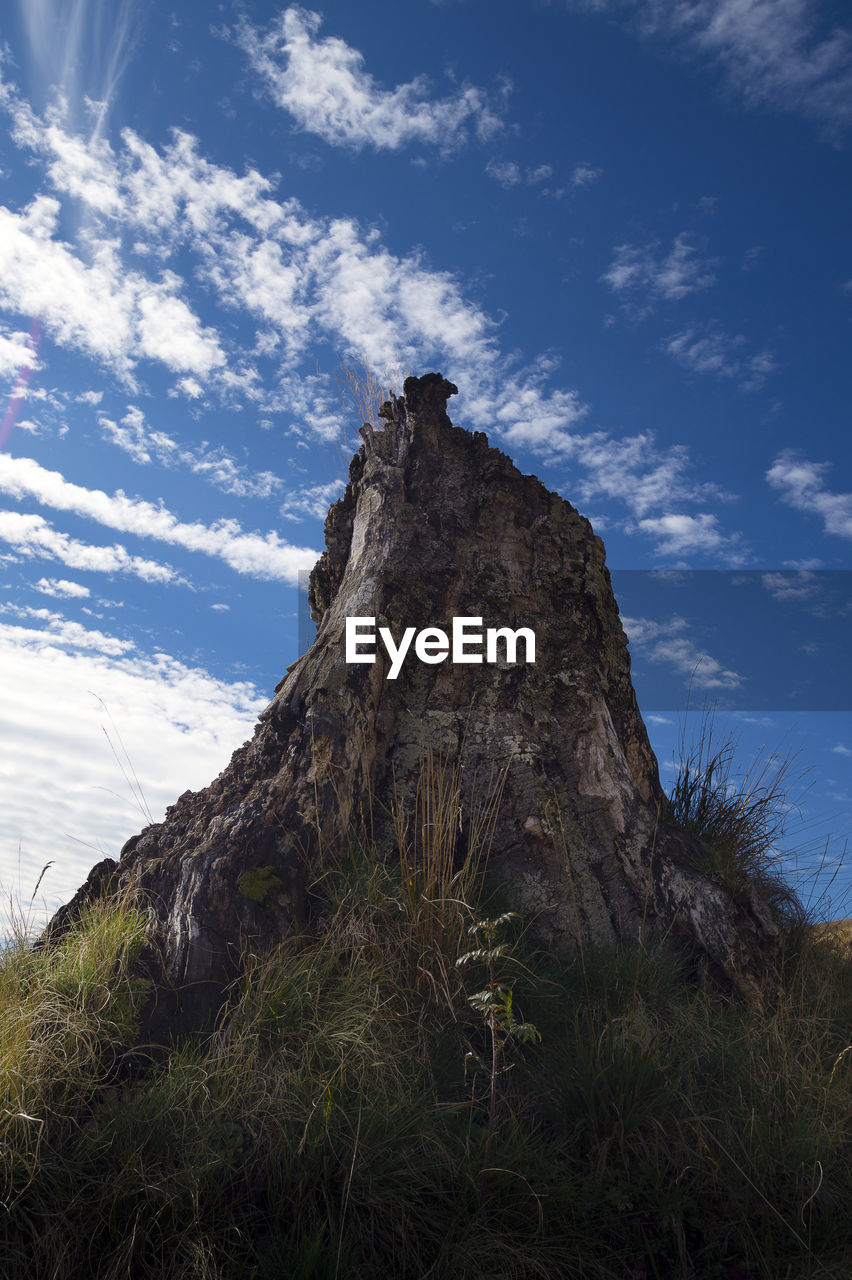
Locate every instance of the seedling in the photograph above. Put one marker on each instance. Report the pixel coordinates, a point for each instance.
(494, 1002)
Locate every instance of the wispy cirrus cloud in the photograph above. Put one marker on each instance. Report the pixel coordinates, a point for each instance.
(670, 275)
(792, 55)
(669, 643)
(80, 51)
(62, 589)
(295, 279)
(682, 534)
(506, 172)
(712, 351)
(145, 445)
(65, 632)
(510, 174)
(802, 585)
(33, 537)
(325, 87)
(801, 484)
(640, 473)
(583, 175)
(257, 554)
(312, 500)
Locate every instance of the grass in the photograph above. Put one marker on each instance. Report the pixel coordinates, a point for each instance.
(361, 392)
(340, 1120)
(741, 817)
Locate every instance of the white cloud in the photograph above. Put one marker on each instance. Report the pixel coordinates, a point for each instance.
(315, 410)
(841, 750)
(177, 192)
(190, 387)
(258, 554)
(528, 414)
(685, 534)
(301, 280)
(168, 331)
(635, 471)
(15, 351)
(85, 170)
(672, 276)
(539, 174)
(788, 54)
(34, 538)
(314, 500)
(299, 277)
(722, 355)
(63, 632)
(791, 586)
(805, 562)
(67, 798)
(583, 175)
(146, 445)
(324, 86)
(62, 588)
(131, 436)
(665, 642)
(801, 485)
(507, 173)
(693, 662)
(101, 309)
(642, 631)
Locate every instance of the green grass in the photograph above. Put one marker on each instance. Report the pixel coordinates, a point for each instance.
(364, 1111)
(337, 1122)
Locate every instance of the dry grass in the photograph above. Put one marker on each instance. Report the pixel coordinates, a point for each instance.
(837, 933)
(337, 1123)
(361, 391)
(741, 816)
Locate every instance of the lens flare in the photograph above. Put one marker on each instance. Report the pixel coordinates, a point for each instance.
(22, 383)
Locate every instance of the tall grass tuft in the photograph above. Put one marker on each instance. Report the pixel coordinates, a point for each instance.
(67, 1014)
(740, 816)
(361, 391)
(442, 845)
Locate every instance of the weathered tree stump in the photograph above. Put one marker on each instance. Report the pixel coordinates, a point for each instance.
(436, 525)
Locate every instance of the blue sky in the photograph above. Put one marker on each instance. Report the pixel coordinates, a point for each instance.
(621, 228)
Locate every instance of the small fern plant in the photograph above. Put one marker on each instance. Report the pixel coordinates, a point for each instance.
(495, 1003)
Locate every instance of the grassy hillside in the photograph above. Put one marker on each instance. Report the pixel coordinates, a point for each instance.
(413, 1089)
(641, 1124)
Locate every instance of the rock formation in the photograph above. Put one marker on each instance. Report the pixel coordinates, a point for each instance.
(436, 525)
